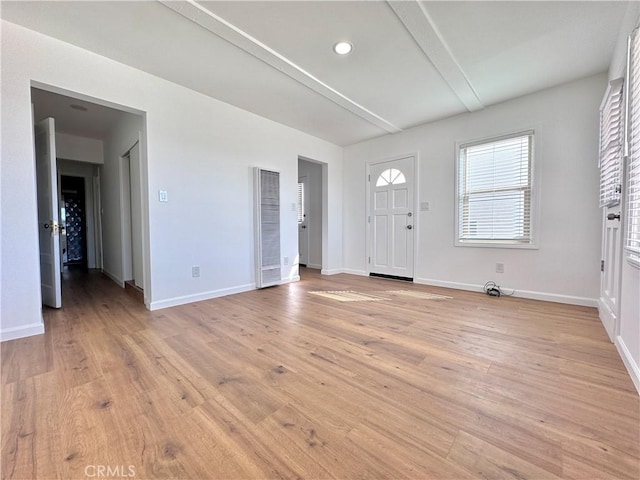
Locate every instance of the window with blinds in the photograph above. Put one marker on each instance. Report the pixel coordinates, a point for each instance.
(300, 202)
(611, 141)
(633, 139)
(494, 189)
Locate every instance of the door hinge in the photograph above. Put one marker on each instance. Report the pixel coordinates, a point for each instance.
(602, 265)
(369, 177)
(369, 219)
(369, 259)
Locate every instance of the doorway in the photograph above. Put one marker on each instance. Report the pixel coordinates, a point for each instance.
(73, 215)
(310, 200)
(87, 139)
(391, 218)
(303, 230)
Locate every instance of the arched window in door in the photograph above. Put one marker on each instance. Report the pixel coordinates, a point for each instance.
(391, 176)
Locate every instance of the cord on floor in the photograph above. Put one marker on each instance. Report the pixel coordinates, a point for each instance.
(493, 290)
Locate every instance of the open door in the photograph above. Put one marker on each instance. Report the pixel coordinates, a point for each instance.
(48, 221)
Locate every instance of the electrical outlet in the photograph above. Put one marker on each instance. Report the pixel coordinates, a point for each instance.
(163, 195)
(499, 267)
(195, 271)
(424, 206)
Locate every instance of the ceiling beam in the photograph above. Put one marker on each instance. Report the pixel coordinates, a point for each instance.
(420, 25)
(217, 25)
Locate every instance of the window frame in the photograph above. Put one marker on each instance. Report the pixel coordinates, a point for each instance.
(398, 176)
(610, 160)
(533, 204)
(632, 254)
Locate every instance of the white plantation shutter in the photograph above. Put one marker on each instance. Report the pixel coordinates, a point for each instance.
(611, 145)
(633, 166)
(494, 191)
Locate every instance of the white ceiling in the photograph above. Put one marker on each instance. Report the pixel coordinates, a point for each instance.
(413, 62)
(96, 121)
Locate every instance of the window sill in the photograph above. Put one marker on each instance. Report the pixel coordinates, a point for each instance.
(523, 246)
(633, 259)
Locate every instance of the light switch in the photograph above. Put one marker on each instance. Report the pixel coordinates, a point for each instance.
(163, 195)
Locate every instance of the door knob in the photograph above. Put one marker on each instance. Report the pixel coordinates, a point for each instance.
(613, 216)
(303, 226)
(409, 227)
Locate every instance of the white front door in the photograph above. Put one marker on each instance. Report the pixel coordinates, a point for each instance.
(609, 302)
(303, 225)
(391, 217)
(48, 213)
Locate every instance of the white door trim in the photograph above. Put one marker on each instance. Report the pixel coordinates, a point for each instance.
(416, 226)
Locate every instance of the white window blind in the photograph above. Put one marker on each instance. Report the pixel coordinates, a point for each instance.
(633, 166)
(494, 191)
(611, 145)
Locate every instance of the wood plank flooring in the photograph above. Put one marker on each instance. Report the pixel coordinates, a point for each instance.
(278, 383)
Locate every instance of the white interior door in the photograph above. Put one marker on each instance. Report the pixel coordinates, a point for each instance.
(135, 178)
(609, 304)
(391, 218)
(48, 213)
(303, 224)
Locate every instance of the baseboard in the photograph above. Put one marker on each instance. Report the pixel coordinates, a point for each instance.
(294, 278)
(629, 362)
(547, 297)
(350, 271)
(314, 266)
(23, 331)
(113, 277)
(198, 297)
(333, 271)
(607, 318)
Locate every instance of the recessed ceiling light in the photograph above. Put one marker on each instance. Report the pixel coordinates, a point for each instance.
(79, 107)
(342, 48)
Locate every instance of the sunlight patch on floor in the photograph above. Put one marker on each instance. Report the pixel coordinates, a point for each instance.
(348, 296)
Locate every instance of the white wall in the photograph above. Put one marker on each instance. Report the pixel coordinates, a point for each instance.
(198, 149)
(619, 58)
(628, 340)
(565, 267)
(81, 149)
(313, 172)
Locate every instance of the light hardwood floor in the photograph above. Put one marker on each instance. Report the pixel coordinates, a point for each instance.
(279, 383)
